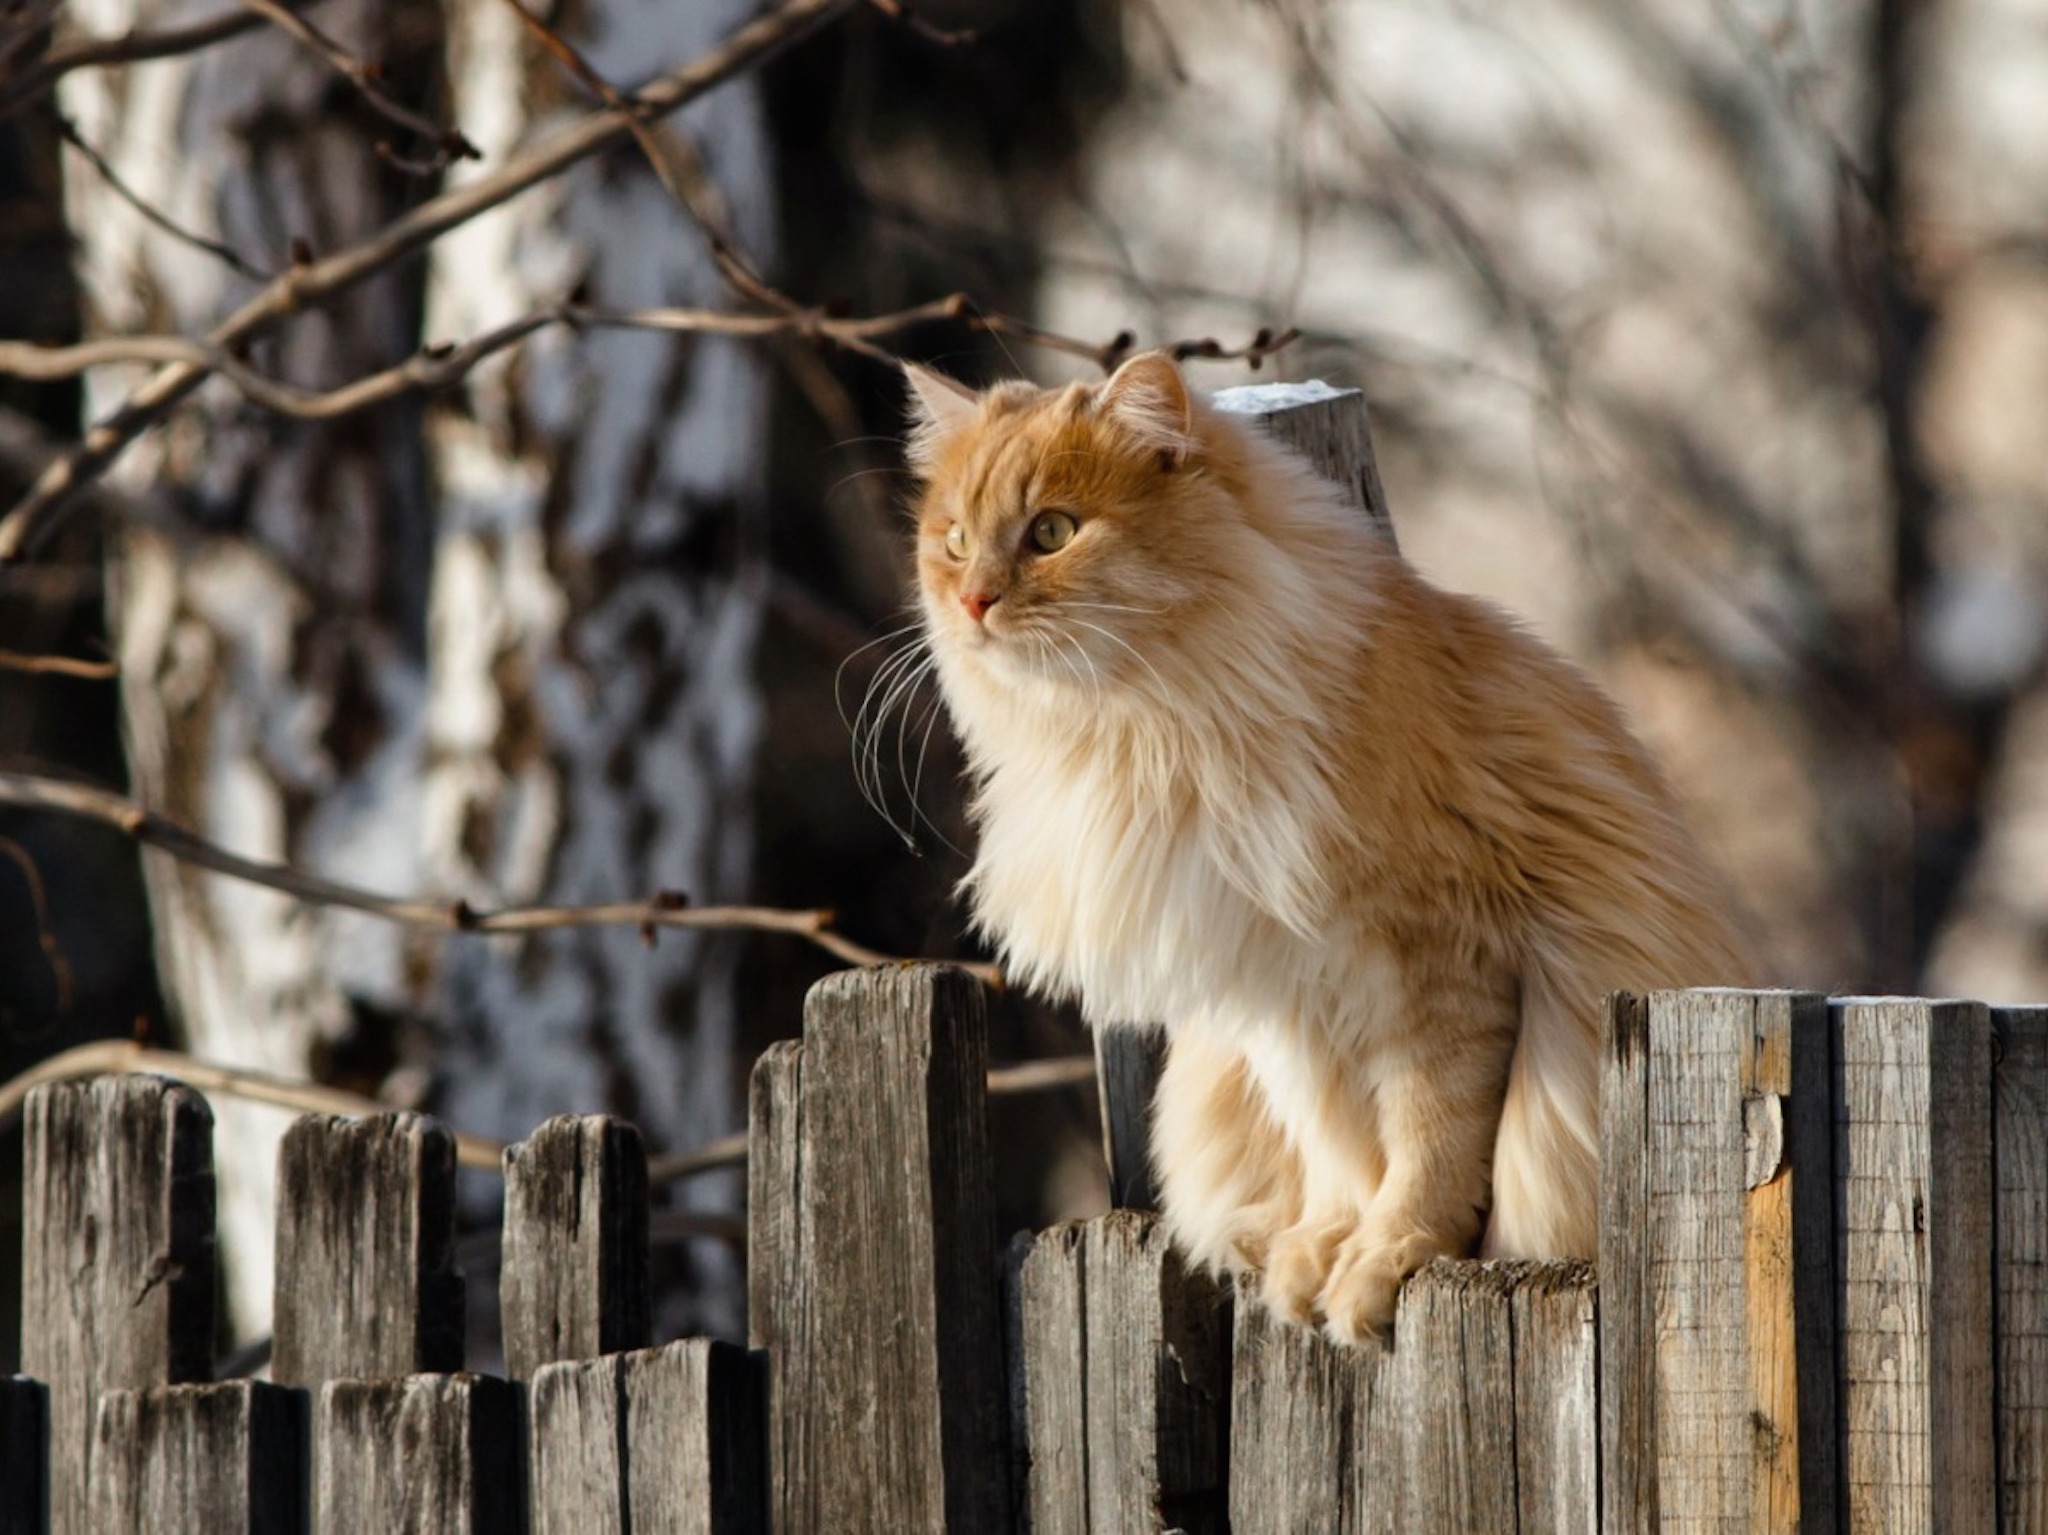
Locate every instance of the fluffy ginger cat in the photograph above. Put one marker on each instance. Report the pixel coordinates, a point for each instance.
(1370, 853)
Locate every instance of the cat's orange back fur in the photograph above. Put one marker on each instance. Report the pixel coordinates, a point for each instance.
(1368, 851)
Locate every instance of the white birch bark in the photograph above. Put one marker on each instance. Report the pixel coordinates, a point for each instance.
(496, 650)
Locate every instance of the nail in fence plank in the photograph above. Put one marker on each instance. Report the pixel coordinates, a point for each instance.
(1716, 1242)
(117, 1256)
(1454, 1377)
(575, 1278)
(1913, 1249)
(424, 1455)
(24, 1429)
(776, 1287)
(1127, 1067)
(219, 1458)
(1126, 1358)
(1311, 1445)
(665, 1441)
(366, 1280)
(897, 1421)
(2020, 1110)
(1554, 1322)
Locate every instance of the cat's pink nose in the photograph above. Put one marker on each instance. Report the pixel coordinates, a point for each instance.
(978, 603)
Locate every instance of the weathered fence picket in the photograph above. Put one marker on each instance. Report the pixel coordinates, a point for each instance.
(660, 1441)
(2020, 1241)
(1913, 1252)
(117, 1257)
(1126, 1373)
(228, 1458)
(367, 1286)
(575, 1249)
(896, 1256)
(1822, 1304)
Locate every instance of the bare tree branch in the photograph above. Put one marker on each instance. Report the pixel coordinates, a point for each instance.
(122, 1056)
(440, 367)
(449, 142)
(68, 131)
(662, 909)
(32, 518)
(57, 666)
(129, 48)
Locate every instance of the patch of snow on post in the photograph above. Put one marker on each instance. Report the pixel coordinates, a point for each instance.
(1265, 399)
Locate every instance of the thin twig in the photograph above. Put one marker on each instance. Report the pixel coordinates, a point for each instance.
(449, 142)
(123, 1056)
(662, 909)
(46, 937)
(897, 11)
(227, 253)
(129, 48)
(58, 666)
(31, 520)
(119, 1056)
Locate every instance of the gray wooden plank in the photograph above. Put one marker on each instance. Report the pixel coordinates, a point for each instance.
(662, 1441)
(1127, 1067)
(1552, 1316)
(24, 1447)
(1158, 1358)
(1913, 1252)
(575, 1279)
(777, 1287)
(1728, 1231)
(2020, 1242)
(1054, 1364)
(366, 1284)
(117, 1256)
(1628, 1324)
(1453, 1384)
(1307, 1448)
(204, 1460)
(1328, 427)
(421, 1455)
(898, 1421)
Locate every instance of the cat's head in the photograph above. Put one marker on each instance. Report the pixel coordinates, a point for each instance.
(1062, 532)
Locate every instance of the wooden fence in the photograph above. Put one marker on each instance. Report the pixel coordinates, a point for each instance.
(1823, 1304)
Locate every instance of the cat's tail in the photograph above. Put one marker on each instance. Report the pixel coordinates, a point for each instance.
(1546, 1157)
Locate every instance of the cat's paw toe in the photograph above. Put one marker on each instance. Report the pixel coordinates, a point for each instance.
(1364, 1288)
(1297, 1269)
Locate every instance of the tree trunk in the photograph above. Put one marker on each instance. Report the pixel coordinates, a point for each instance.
(493, 648)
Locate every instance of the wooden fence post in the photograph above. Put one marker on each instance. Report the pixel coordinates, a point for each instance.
(575, 1278)
(424, 1455)
(1306, 1418)
(367, 1286)
(227, 1458)
(2020, 1237)
(1125, 1360)
(1717, 1309)
(661, 1439)
(117, 1257)
(776, 1289)
(897, 1417)
(1913, 1254)
(24, 1432)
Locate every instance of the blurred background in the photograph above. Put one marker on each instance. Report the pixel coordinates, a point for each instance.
(1712, 339)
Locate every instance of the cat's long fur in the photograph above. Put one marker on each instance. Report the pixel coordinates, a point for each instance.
(1368, 851)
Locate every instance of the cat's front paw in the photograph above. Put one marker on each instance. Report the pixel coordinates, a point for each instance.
(1359, 1298)
(1298, 1268)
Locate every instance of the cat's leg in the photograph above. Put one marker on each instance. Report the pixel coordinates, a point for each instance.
(1437, 1090)
(1227, 1178)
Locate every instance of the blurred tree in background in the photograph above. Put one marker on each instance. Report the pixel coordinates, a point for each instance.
(1712, 339)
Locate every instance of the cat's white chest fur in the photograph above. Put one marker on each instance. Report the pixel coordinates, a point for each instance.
(1149, 898)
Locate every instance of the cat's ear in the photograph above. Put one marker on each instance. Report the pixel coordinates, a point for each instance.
(938, 405)
(1148, 398)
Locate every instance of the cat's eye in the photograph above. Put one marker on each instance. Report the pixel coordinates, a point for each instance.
(956, 540)
(1051, 532)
